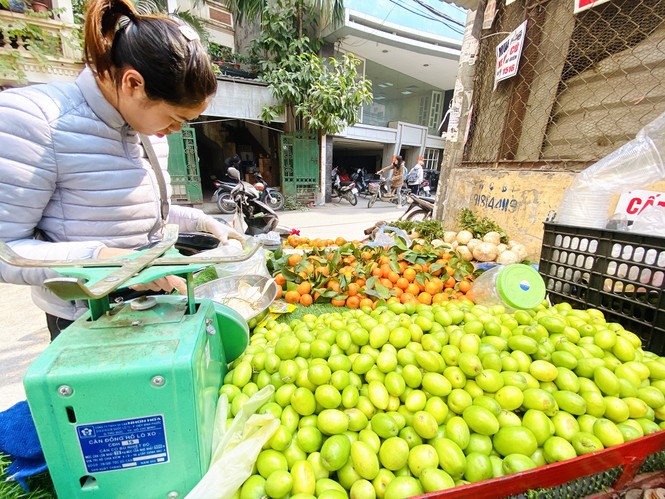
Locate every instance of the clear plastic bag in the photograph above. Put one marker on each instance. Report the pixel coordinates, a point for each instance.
(234, 450)
(386, 236)
(651, 221)
(254, 265)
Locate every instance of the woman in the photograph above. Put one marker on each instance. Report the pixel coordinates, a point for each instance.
(71, 152)
(397, 179)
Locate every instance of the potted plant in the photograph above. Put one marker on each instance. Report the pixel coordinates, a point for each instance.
(41, 5)
(219, 54)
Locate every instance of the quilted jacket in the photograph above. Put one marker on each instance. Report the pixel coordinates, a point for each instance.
(74, 171)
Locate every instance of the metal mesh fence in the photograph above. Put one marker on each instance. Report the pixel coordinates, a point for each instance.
(586, 84)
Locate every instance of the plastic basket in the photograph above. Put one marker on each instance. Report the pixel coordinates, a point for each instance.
(620, 273)
(572, 479)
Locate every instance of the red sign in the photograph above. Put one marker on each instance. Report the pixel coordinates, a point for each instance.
(581, 5)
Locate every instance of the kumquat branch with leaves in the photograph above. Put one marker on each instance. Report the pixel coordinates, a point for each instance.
(356, 275)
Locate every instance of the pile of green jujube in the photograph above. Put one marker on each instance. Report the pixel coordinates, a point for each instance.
(407, 399)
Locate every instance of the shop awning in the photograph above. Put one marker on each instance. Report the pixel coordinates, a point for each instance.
(241, 99)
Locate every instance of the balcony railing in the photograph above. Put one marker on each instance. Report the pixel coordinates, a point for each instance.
(36, 49)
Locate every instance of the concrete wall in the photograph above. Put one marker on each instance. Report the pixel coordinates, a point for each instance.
(518, 200)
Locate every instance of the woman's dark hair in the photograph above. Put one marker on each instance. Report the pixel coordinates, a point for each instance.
(173, 63)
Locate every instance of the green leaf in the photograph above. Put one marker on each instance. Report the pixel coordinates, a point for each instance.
(383, 291)
(289, 275)
(371, 282)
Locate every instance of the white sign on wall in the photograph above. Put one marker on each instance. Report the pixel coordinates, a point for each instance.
(508, 54)
(633, 203)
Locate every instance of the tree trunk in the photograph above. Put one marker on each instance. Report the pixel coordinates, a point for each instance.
(300, 18)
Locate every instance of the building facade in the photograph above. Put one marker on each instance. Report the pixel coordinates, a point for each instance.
(410, 54)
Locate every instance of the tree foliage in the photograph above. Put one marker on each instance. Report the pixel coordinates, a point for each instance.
(249, 10)
(319, 94)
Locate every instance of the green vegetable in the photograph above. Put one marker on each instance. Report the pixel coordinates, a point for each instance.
(428, 229)
(480, 226)
(205, 275)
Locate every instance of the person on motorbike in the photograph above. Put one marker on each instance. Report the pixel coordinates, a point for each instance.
(231, 161)
(397, 179)
(89, 158)
(416, 176)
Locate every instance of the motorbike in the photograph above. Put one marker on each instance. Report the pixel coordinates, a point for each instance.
(252, 216)
(268, 195)
(222, 196)
(360, 177)
(344, 190)
(378, 189)
(423, 189)
(420, 208)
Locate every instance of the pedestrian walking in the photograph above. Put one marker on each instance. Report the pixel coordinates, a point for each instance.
(416, 176)
(83, 164)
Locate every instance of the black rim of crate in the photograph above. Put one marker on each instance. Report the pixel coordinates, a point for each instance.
(578, 264)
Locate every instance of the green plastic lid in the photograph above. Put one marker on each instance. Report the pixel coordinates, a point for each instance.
(520, 286)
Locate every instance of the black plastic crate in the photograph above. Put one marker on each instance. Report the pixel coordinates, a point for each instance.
(620, 273)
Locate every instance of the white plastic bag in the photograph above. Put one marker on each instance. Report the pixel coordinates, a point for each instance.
(651, 221)
(234, 450)
(254, 265)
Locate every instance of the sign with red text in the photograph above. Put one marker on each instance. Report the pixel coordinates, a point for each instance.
(508, 54)
(489, 14)
(581, 5)
(633, 203)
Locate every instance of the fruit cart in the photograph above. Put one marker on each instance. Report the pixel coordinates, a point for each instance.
(611, 468)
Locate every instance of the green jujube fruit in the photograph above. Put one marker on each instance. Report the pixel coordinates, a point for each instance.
(570, 402)
(558, 449)
(536, 398)
(478, 467)
(515, 463)
(480, 420)
(451, 457)
(514, 440)
(585, 443)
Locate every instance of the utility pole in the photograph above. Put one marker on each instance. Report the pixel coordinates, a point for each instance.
(460, 106)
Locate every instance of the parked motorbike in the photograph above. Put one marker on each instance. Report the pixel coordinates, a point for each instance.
(252, 216)
(420, 208)
(423, 189)
(432, 177)
(360, 177)
(344, 190)
(222, 196)
(268, 195)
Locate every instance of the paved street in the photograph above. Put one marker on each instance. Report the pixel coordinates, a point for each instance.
(24, 333)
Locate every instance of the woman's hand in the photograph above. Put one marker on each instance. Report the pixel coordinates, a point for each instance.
(221, 231)
(167, 284)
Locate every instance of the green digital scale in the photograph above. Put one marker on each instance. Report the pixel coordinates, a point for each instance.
(124, 399)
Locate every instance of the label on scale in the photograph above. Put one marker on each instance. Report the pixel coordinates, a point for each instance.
(122, 444)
